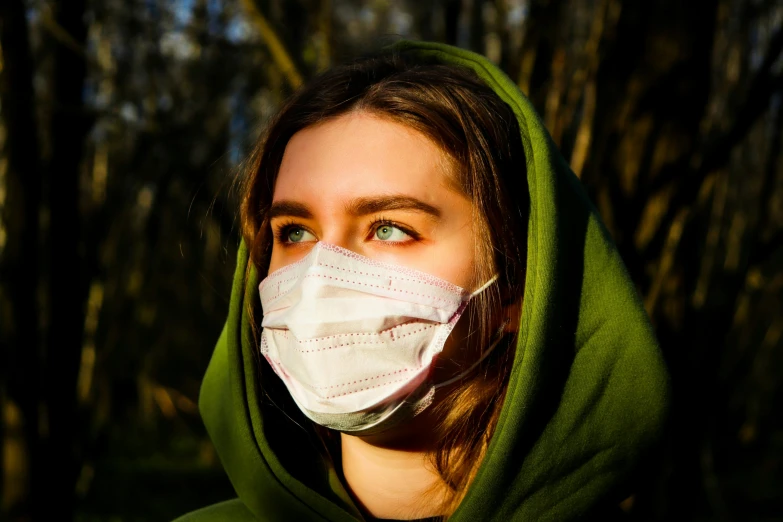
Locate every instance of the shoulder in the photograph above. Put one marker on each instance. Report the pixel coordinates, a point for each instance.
(233, 510)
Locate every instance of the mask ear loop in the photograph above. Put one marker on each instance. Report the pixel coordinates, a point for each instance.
(486, 352)
(484, 286)
(462, 375)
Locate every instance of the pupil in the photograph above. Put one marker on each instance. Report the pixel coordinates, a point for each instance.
(294, 235)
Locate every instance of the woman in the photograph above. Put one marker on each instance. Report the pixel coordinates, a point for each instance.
(428, 319)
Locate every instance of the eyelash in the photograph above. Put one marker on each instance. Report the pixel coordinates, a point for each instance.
(382, 221)
(281, 231)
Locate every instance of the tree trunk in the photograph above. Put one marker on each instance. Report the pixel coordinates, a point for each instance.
(534, 68)
(20, 256)
(451, 11)
(67, 280)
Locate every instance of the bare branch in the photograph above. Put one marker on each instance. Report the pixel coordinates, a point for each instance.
(667, 259)
(60, 34)
(280, 54)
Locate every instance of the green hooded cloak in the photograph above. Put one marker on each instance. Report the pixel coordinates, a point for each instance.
(587, 394)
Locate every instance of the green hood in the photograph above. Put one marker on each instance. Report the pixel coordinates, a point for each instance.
(587, 394)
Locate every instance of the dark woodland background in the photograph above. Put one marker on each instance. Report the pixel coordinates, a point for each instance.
(122, 122)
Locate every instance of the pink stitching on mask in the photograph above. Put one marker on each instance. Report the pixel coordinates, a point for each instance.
(358, 343)
(453, 301)
(325, 348)
(367, 379)
(396, 278)
(363, 389)
(416, 274)
(413, 332)
(390, 329)
(314, 339)
(379, 276)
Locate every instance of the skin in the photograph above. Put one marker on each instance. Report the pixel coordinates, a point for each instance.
(334, 182)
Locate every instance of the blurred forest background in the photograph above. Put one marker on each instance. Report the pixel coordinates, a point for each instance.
(121, 126)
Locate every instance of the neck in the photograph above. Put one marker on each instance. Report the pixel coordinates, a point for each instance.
(392, 479)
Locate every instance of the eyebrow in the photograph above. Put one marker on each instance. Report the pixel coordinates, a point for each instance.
(288, 208)
(370, 205)
(361, 206)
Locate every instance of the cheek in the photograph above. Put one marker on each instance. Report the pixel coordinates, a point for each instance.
(454, 258)
(273, 264)
(276, 260)
(458, 266)
(281, 257)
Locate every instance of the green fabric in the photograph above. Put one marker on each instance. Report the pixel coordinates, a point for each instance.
(230, 510)
(588, 390)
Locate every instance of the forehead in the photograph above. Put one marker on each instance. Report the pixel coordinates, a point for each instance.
(359, 154)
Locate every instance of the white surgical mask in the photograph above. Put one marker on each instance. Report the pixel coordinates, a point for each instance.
(354, 339)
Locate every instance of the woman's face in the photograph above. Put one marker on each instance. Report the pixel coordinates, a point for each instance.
(382, 190)
(377, 188)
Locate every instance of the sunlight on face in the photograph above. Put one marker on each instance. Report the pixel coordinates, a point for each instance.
(377, 188)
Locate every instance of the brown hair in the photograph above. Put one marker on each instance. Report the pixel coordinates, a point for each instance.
(479, 134)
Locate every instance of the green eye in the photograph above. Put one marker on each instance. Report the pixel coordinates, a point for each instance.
(384, 232)
(296, 235)
(389, 233)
